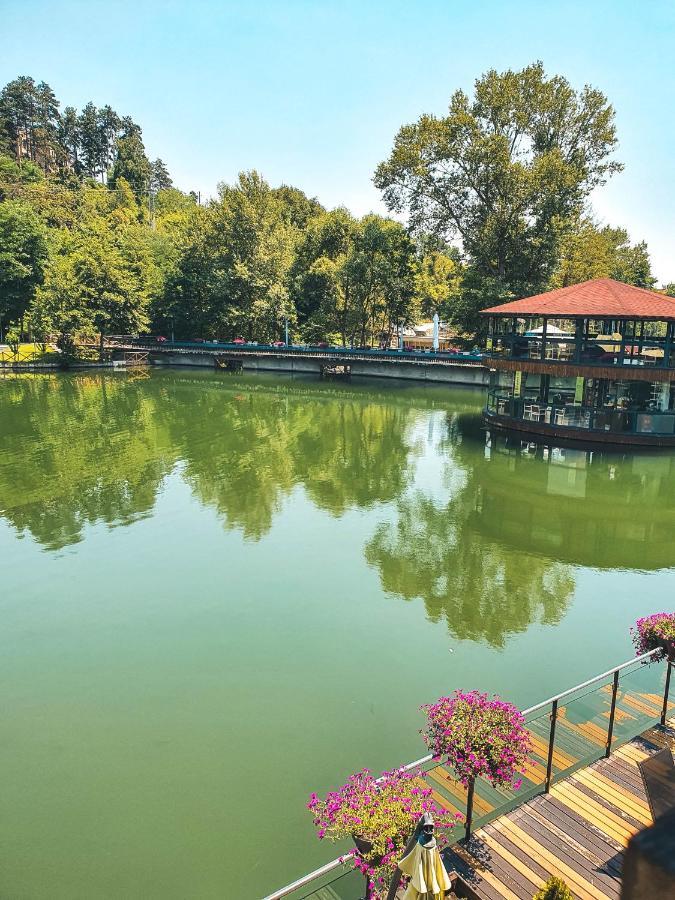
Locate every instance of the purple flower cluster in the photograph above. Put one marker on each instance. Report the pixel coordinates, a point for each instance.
(479, 736)
(655, 632)
(381, 812)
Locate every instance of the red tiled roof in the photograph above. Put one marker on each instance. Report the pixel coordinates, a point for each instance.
(600, 298)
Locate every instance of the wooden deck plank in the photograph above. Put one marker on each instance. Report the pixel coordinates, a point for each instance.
(578, 831)
(581, 828)
(582, 841)
(618, 796)
(594, 816)
(498, 889)
(527, 879)
(588, 869)
(552, 862)
(588, 802)
(622, 813)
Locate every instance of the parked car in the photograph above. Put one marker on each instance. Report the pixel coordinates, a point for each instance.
(238, 340)
(278, 344)
(160, 339)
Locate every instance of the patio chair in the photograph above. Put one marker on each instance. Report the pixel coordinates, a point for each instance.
(658, 777)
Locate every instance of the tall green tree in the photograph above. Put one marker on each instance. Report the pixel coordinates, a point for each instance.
(98, 279)
(130, 162)
(315, 278)
(589, 251)
(29, 114)
(502, 173)
(250, 246)
(160, 180)
(23, 254)
(92, 148)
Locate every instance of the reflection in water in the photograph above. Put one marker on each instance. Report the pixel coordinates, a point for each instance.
(588, 508)
(178, 676)
(497, 555)
(75, 451)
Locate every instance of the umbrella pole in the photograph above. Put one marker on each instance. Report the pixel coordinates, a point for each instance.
(396, 877)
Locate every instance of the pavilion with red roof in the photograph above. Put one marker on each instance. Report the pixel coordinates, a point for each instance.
(593, 362)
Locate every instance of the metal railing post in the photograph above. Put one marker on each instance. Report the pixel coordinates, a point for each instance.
(469, 809)
(664, 711)
(610, 728)
(551, 742)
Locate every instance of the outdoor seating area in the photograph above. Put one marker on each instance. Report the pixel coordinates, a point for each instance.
(595, 357)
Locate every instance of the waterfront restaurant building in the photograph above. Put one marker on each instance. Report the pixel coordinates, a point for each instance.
(593, 362)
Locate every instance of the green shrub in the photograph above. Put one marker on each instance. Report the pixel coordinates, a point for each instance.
(554, 889)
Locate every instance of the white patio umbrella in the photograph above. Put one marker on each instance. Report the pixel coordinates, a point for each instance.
(550, 329)
(435, 337)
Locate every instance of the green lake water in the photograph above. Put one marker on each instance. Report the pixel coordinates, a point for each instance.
(219, 593)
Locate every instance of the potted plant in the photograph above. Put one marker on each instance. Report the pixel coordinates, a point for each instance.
(478, 736)
(379, 815)
(655, 632)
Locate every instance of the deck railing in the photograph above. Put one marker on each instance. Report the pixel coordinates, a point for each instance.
(575, 416)
(356, 353)
(568, 731)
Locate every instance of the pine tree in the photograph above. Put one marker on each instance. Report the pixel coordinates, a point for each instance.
(160, 180)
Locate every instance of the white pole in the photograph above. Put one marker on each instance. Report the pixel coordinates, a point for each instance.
(435, 343)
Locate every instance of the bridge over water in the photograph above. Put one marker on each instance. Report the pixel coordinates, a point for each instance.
(440, 367)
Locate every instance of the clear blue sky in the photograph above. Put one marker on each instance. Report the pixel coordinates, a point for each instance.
(312, 93)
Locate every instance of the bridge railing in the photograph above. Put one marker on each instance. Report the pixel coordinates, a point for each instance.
(297, 350)
(568, 731)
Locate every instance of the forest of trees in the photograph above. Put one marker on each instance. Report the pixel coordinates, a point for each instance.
(95, 238)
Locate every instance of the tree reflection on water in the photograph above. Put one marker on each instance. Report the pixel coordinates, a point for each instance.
(490, 547)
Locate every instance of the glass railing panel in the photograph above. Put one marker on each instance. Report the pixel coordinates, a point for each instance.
(337, 885)
(582, 725)
(639, 701)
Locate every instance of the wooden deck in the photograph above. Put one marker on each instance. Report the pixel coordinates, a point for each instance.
(578, 831)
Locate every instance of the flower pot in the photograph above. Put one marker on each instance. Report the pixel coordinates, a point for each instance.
(365, 848)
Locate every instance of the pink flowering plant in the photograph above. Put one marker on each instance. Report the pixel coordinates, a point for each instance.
(655, 632)
(479, 736)
(380, 814)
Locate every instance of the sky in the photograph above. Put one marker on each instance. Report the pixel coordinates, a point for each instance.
(312, 93)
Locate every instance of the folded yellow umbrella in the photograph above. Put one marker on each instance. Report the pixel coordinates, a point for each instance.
(428, 878)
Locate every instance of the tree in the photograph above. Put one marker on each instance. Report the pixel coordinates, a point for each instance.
(503, 173)
(92, 149)
(316, 286)
(298, 208)
(97, 281)
(69, 140)
(160, 180)
(250, 246)
(588, 251)
(378, 277)
(29, 114)
(438, 282)
(131, 163)
(23, 252)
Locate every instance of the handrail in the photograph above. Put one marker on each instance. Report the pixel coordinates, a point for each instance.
(340, 860)
(391, 354)
(590, 681)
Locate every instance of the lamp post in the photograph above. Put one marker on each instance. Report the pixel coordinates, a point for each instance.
(286, 329)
